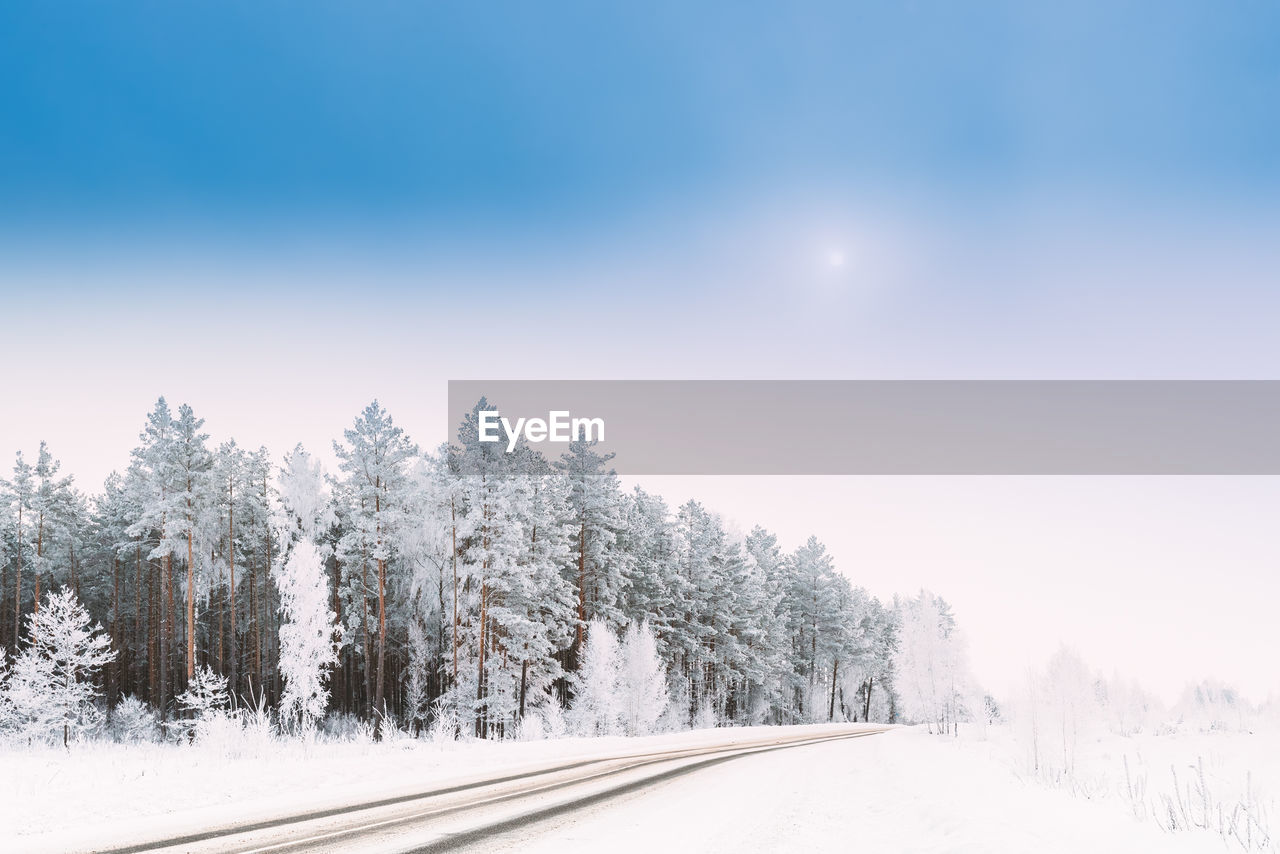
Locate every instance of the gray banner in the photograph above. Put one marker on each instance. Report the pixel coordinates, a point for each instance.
(809, 427)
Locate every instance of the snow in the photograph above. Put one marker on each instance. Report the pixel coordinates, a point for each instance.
(113, 791)
(903, 791)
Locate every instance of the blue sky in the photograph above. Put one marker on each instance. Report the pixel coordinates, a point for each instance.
(230, 112)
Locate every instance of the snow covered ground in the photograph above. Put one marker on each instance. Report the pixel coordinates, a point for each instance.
(1226, 782)
(904, 791)
(116, 789)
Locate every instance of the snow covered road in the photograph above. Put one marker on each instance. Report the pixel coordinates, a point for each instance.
(726, 790)
(454, 816)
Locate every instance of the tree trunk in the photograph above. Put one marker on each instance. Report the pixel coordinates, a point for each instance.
(137, 617)
(153, 636)
(453, 535)
(382, 634)
(166, 626)
(831, 709)
(222, 632)
(17, 586)
(266, 584)
(480, 716)
(524, 684)
(35, 605)
(191, 603)
(368, 645)
(233, 682)
(337, 614)
(255, 601)
(382, 601)
(582, 583)
(113, 669)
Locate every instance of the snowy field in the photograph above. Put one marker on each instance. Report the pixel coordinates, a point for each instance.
(908, 791)
(905, 791)
(1222, 783)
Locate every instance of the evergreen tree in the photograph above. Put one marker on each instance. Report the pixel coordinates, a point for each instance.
(18, 495)
(309, 632)
(596, 708)
(191, 465)
(231, 493)
(159, 523)
(642, 681)
(596, 503)
(375, 459)
(204, 699)
(52, 689)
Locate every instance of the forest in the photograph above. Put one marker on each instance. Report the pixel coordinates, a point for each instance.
(462, 588)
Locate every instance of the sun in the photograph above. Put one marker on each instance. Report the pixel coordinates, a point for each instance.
(835, 258)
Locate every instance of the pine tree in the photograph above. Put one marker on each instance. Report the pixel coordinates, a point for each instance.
(642, 681)
(204, 699)
(191, 465)
(159, 522)
(308, 636)
(597, 506)
(375, 459)
(18, 493)
(51, 505)
(231, 492)
(765, 600)
(111, 517)
(596, 709)
(52, 688)
(259, 530)
(653, 591)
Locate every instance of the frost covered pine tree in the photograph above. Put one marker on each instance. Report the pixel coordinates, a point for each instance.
(191, 465)
(309, 633)
(205, 698)
(596, 709)
(530, 602)
(17, 495)
(157, 524)
(426, 544)
(375, 459)
(51, 501)
(51, 688)
(597, 509)
(229, 477)
(642, 681)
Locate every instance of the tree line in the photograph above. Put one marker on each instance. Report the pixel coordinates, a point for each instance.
(461, 587)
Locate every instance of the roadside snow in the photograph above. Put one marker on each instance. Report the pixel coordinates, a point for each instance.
(904, 791)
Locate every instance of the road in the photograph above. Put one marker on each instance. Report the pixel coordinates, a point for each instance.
(460, 817)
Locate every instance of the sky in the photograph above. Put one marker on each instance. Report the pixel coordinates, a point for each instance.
(276, 212)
